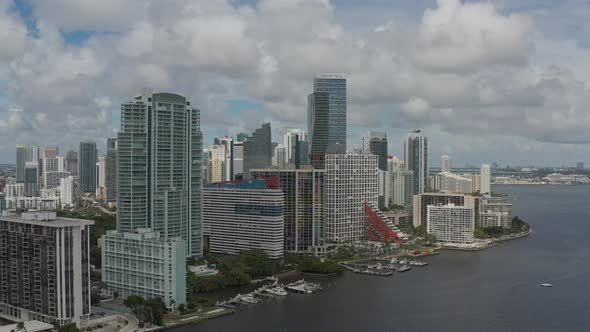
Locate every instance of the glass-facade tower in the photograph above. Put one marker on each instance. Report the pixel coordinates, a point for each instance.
(159, 168)
(25, 154)
(327, 117)
(111, 170)
(258, 150)
(416, 160)
(88, 158)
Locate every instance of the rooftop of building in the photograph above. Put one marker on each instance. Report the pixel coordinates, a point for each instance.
(260, 183)
(440, 194)
(304, 168)
(330, 76)
(450, 206)
(44, 218)
(142, 234)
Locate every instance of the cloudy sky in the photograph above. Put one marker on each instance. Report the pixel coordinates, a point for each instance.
(503, 80)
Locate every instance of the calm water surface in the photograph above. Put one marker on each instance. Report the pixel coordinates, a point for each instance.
(493, 290)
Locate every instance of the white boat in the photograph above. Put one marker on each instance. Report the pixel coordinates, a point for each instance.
(546, 285)
(417, 263)
(299, 289)
(248, 299)
(393, 261)
(280, 291)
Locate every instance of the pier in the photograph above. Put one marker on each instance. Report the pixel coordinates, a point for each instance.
(382, 268)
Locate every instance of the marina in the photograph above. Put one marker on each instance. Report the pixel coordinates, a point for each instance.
(381, 267)
(271, 291)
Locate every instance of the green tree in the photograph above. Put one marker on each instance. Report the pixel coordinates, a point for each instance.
(133, 300)
(256, 262)
(94, 298)
(420, 231)
(69, 328)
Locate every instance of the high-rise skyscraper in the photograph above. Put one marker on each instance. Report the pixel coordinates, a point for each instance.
(446, 163)
(25, 153)
(242, 216)
(304, 206)
(72, 162)
(31, 179)
(51, 165)
(375, 142)
(485, 179)
(290, 138)
(238, 158)
(416, 160)
(279, 157)
(242, 137)
(401, 188)
(101, 179)
(326, 118)
(160, 152)
(111, 170)
(88, 158)
(351, 181)
(258, 150)
(45, 268)
(66, 192)
(50, 152)
(228, 143)
(217, 163)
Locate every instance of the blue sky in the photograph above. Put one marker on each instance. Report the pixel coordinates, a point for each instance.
(502, 80)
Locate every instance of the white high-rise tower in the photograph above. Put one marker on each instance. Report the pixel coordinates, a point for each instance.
(446, 163)
(159, 165)
(485, 179)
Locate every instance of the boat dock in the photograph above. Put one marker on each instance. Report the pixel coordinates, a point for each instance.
(382, 268)
(269, 292)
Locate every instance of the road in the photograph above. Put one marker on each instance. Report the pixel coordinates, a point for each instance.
(132, 321)
(100, 207)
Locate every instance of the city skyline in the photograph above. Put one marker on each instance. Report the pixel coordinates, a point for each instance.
(486, 92)
(169, 163)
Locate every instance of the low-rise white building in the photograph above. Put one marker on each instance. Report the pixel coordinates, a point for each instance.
(451, 223)
(451, 183)
(495, 212)
(32, 203)
(144, 264)
(14, 190)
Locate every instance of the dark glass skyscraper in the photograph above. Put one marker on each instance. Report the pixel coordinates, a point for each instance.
(88, 157)
(375, 142)
(258, 150)
(416, 160)
(31, 179)
(327, 117)
(159, 161)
